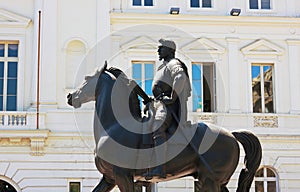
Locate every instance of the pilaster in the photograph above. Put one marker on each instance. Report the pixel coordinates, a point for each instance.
(294, 67)
(234, 75)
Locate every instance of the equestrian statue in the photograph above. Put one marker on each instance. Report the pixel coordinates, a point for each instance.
(135, 149)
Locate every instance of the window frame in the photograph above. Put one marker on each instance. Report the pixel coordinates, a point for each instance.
(143, 79)
(214, 97)
(265, 179)
(130, 5)
(259, 2)
(262, 64)
(6, 60)
(201, 5)
(20, 70)
(69, 181)
(271, 11)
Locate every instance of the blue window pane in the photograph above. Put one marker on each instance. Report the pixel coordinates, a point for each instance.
(11, 103)
(1, 86)
(148, 87)
(197, 87)
(1, 50)
(266, 68)
(206, 3)
(12, 86)
(195, 3)
(148, 2)
(137, 2)
(255, 71)
(268, 73)
(197, 95)
(13, 50)
(194, 103)
(197, 103)
(139, 83)
(253, 4)
(149, 71)
(1, 103)
(196, 72)
(265, 4)
(1, 69)
(137, 71)
(12, 70)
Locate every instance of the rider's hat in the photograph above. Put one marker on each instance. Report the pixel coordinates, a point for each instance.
(167, 43)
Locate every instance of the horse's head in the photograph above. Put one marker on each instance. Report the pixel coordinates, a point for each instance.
(86, 91)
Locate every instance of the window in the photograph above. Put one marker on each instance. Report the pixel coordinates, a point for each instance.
(8, 75)
(266, 180)
(260, 4)
(262, 88)
(143, 73)
(74, 187)
(201, 3)
(203, 81)
(142, 2)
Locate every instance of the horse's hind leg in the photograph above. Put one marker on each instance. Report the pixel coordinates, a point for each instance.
(124, 180)
(212, 186)
(104, 186)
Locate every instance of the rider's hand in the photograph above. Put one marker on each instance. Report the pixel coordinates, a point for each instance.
(146, 108)
(167, 100)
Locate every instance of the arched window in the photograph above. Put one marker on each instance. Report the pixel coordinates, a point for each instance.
(75, 52)
(266, 180)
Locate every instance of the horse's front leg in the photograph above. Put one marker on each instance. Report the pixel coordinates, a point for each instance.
(124, 179)
(104, 186)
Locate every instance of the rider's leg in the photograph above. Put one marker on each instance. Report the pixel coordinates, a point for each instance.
(160, 149)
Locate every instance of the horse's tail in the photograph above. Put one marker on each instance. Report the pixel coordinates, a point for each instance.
(252, 160)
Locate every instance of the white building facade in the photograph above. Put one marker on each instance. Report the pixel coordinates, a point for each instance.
(245, 72)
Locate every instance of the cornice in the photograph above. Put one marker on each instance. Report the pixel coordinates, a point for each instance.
(142, 18)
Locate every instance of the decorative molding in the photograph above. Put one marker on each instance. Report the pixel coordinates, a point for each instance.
(12, 19)
(34, 138)
(262, 47)
(203, 46)
(206, 118)
(292, 42)
(267, 121)
(140, 43)
(37, 146)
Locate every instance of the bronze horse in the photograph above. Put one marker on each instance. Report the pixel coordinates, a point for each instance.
(212, 167)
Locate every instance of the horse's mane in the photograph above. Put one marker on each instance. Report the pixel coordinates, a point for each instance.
(134, 100)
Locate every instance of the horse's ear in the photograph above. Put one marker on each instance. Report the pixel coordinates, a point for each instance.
(105, 65)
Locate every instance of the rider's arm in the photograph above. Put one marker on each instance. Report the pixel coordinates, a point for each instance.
(138, 90)
(179, 81)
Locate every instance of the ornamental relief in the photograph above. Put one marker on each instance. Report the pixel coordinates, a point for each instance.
(206, 118)
(14, 142)
(266, 121)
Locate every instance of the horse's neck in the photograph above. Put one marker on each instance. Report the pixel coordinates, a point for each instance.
(103, 105)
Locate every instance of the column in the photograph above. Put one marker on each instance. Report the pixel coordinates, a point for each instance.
(294, 68)
(234, 75)
(48, 56)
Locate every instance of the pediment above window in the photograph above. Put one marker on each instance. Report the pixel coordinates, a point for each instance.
(203, 46)
(8, 18)
(140, 43)
(262, 47)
